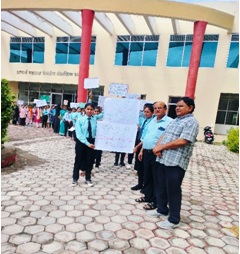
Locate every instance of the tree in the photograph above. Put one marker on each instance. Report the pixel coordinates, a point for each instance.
(7, 100)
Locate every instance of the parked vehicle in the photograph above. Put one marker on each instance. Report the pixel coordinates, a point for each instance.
(208, 135)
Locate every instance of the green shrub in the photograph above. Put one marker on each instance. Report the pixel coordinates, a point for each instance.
(7, 100)
(232, 142)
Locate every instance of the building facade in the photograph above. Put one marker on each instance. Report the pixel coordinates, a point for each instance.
(155, 65)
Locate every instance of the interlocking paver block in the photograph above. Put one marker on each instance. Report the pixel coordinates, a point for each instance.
(98, 245)
(12, 229)
(28, 248)
(125, 234)
(34, 229)
(85, 236)
(20, 238)
(64, 236)
(43, 238)
(159, 243)
(52, 247)
(75, 246)
(94, 227)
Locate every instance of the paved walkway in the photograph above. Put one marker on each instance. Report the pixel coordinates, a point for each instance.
(42, 213)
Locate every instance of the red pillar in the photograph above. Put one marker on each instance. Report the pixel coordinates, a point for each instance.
(87, 21)
(199, 30)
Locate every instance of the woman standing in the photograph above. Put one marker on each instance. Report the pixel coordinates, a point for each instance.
(62, 121)
(85, 132)
(56, 121)
(22, 115)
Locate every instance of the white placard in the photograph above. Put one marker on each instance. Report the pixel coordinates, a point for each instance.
(90, 83)
(40, 103)
(65, 102)
(115, 137)
(133, 96)
(20, 102)
(118, 89)
(101, 100)
(121, 110)
(74, 105)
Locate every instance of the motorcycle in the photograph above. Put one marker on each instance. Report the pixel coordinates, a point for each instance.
(208, 135)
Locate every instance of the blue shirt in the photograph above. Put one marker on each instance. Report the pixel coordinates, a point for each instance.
(46, 112)
(67, 116)
(81, 127)
(154, 130)
(185, 127)
(74, 117)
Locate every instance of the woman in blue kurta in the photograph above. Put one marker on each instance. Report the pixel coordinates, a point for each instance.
(62, 124)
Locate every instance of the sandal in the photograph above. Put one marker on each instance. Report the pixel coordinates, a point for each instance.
(150, 206)
(140, 200)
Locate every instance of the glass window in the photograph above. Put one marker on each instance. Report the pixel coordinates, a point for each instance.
(233, 55)
(228, 109)
(150, 53)
(180, 48)
(136, 50)
(23, 95)
(14, 53)
(45, 87)
(27, 50)
(23, 85)
(57, 88)
(68, 50)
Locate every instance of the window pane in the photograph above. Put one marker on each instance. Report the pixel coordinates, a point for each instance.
(26, 54)
(121, 56)
(232, 118)
(45, 87)
(187, 54)
(57, 88)
(223, 102)
(221, 117)
(74, 53)
(23, 95)
(208, 54)
(233, 57)
(61, 53)
(175, 52)
(150, 54)
(233, 102)
(14, 53)
(135, 56)
(33, 95)
(92, 53)
(38, 53)
(23, 86)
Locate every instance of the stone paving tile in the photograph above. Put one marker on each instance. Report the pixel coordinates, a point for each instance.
(42, 213)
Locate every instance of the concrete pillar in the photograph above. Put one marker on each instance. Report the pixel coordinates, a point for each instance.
(199, 30)
(87, 22)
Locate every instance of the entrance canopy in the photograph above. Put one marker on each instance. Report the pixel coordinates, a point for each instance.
(60, 17)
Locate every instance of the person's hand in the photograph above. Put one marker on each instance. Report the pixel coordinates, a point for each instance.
(90, 95)
(91, 146)
(135, 149)
(157, 150)
(140, 155)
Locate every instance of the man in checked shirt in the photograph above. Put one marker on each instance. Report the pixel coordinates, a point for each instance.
(173, 150)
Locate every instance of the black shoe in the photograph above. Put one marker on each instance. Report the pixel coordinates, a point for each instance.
(122, 164)
(137, 187)
(115, 164)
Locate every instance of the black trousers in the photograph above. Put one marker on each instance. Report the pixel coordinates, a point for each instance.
(68, 125)
(149, 161)
(169, 191)
(44, 121)
(84, 159)
(117, 155)
(98, 157)
(138, 166)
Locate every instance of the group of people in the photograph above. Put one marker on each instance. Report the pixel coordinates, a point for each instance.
(162, 153)
(162, 150)
(27, 115)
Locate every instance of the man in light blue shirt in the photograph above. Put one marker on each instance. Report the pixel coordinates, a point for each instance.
(149, 139)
